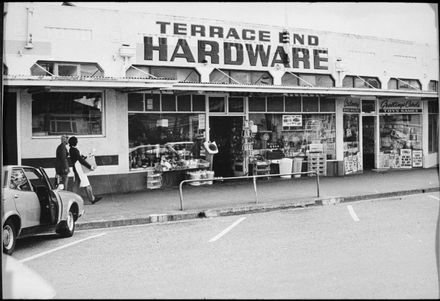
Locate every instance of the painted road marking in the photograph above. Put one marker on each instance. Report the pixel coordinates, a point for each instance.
(352, 213)
(434, 197)
(227, 230)
(61, 247)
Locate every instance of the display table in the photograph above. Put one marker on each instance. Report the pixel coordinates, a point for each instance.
(172, 178)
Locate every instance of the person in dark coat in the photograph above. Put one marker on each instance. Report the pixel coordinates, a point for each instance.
(80, 177)
(62, 163)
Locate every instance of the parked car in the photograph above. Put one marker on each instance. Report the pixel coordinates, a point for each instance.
(31, 205)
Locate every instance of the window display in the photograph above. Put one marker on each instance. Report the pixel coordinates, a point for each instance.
(293, 134)
(71, 113)
(352, 154)
(163, 128)
(400, 135)
(165, 142)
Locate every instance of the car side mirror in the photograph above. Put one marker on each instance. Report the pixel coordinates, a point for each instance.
(60, 187)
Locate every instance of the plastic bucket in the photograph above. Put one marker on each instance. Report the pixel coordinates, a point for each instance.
(297, 166)
(286, 167)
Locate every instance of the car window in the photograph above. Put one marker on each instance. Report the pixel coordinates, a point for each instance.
(19, 181)
(35, 177)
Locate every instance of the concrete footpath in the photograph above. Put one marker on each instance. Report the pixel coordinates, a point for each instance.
(238, 197)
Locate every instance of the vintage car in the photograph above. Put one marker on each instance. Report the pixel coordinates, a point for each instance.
(31, 205)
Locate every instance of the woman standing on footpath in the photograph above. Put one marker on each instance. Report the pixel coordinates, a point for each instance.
(80, 177)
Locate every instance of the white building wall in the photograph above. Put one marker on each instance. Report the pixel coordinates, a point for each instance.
(95, 35)
(114, 140)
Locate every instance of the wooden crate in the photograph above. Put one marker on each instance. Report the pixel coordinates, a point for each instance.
(154, 180)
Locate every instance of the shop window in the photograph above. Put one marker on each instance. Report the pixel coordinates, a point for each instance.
(152, 102)
(216, 104)
(261, 78)
(184, 103)
(66, 70)
(399, 135)
(136, 102)
(236, 104)
(368, 106)
(433, 86)
(198, 102)
(433, 126)
(146, 129)
(168, 102)
(404, 84)
(316, 80)
(289, 79)
(352, 155)
(392, 84)
(292, 140)
(293, 103)
(218, 77)
(72, 113)
(361, 82)
(243, 77)
(49, 68)
(257, 104)
(327, 105)
(275, 104)
(310, 103)
(180, 74)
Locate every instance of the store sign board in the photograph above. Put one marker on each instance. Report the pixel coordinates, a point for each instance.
(400, 105)
(352, 105)
(232, 46)
(292, 120)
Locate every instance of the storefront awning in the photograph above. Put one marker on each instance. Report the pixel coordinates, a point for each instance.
(292, 90)
(124, 84)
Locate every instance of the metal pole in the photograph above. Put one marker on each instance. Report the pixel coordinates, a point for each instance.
(317, 183)
(181, 195)
(255, 189)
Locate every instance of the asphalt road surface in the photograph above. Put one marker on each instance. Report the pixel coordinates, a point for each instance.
(370, 249)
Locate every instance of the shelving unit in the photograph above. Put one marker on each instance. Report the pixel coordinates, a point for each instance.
(317, 162)
(154, 180)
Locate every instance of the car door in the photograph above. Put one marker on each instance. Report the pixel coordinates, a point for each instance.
(45, 195)
(55, 197)
(26, 200)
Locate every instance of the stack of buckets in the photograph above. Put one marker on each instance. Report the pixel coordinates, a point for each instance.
(201, 174)
(288, 165)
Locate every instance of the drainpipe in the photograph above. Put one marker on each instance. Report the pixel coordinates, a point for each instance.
(29, 14)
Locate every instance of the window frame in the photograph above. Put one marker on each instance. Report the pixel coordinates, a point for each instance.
(103, 112)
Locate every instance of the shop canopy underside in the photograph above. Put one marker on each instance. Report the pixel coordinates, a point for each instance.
(40, 84)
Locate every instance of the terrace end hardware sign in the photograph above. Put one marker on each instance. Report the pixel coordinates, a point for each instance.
(400, 105)
(195, 43)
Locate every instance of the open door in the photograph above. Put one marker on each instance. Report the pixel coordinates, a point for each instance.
(225, 131)
(368, 141)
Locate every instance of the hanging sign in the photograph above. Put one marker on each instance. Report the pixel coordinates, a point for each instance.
(400, 105)
(352, 105)
(292, 120)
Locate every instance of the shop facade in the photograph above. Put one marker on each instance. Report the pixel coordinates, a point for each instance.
(148, 91)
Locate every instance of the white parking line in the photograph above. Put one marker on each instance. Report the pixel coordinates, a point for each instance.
(59, 248)
(434, 197)
(227, 230)
(352, 213)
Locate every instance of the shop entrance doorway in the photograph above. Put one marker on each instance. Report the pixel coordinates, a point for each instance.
(226, 131)
(368, 129)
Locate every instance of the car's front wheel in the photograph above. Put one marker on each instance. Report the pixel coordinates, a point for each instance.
(9, 237)
(67, 227)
